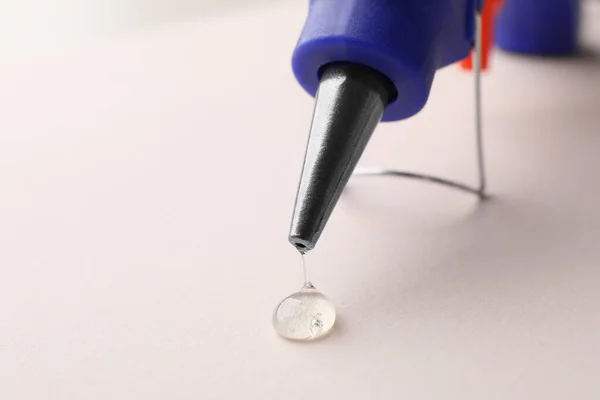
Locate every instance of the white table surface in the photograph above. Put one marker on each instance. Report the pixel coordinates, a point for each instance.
(40, 26)
(146, 188)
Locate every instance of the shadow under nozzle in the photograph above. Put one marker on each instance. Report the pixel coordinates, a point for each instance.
(348, 106)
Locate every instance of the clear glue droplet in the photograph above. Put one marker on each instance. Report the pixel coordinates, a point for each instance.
(304, 315)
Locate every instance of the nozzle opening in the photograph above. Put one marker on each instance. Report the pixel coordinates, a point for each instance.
(301, 245)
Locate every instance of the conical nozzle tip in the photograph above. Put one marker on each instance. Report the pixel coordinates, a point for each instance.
(349, 104)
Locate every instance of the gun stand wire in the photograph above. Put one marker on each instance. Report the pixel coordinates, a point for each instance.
(478, 190)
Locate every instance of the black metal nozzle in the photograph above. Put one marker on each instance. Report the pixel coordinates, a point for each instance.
(349, 104)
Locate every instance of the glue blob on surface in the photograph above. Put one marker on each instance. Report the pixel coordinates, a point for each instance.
(305, 315)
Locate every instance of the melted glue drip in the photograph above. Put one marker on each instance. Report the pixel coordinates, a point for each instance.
(305, 315)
